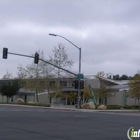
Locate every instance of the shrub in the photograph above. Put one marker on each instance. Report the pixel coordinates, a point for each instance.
(114, 107)
(35, 104)
(125, 107)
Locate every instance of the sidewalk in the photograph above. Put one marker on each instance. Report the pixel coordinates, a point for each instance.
(30, 106)
(73, 109)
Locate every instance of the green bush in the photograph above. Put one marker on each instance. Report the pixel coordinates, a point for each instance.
(34, 104)
(114, 107)
(135, 106)
(125, 107)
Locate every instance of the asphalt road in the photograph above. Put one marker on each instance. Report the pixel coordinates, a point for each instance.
(20, 123)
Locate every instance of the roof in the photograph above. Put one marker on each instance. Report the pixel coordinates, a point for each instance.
(23, 91)
(120, 87)
(118, 82)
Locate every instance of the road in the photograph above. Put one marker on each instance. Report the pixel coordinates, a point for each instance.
(21, 123)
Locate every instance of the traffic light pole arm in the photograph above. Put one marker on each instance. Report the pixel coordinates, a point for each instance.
(21, 55)
(45, 62)
(58, 67)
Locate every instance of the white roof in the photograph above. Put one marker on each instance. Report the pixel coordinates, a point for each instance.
(118, 82)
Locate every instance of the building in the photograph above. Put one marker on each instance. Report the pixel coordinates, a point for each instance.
(117, 98)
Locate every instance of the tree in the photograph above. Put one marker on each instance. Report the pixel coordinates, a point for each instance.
(104, 91)
(116, 77)
(124, 77)
(134, 88)
(100, 74)
(55, 93)
(36, 77)
(9, 90)
(71, 96)
(86, 93)
(130, 78)
(7, 76)
(60, 58)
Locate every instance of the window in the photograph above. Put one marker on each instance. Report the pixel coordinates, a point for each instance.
(63, 83)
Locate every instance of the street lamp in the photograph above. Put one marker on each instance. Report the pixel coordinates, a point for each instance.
(79, 64)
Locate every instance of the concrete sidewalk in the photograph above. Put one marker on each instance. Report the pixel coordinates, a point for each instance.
(74, 109)
(30, 106)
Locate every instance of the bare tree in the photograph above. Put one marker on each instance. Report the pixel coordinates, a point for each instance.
(60, 58)
(7, 76)
(100, 74)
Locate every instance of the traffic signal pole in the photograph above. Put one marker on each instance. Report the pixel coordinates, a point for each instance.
(79, 65)
(79, 93)
(80, 76)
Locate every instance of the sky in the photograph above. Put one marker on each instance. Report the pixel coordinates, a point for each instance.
(107, 31)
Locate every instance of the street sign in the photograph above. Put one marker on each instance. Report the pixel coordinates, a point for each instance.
(80, 76)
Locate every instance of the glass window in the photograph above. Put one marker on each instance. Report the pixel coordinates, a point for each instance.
(63, 83)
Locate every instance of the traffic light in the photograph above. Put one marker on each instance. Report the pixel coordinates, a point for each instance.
(76, 84)
(82, 84)
(36, 58)
(5, 52)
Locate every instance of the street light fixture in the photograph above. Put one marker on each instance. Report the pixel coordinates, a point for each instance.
(79, 64)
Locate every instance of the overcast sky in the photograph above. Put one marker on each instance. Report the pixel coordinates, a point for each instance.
(108, 31)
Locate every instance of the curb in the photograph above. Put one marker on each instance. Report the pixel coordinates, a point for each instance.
(30, 106)
(72, 109)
